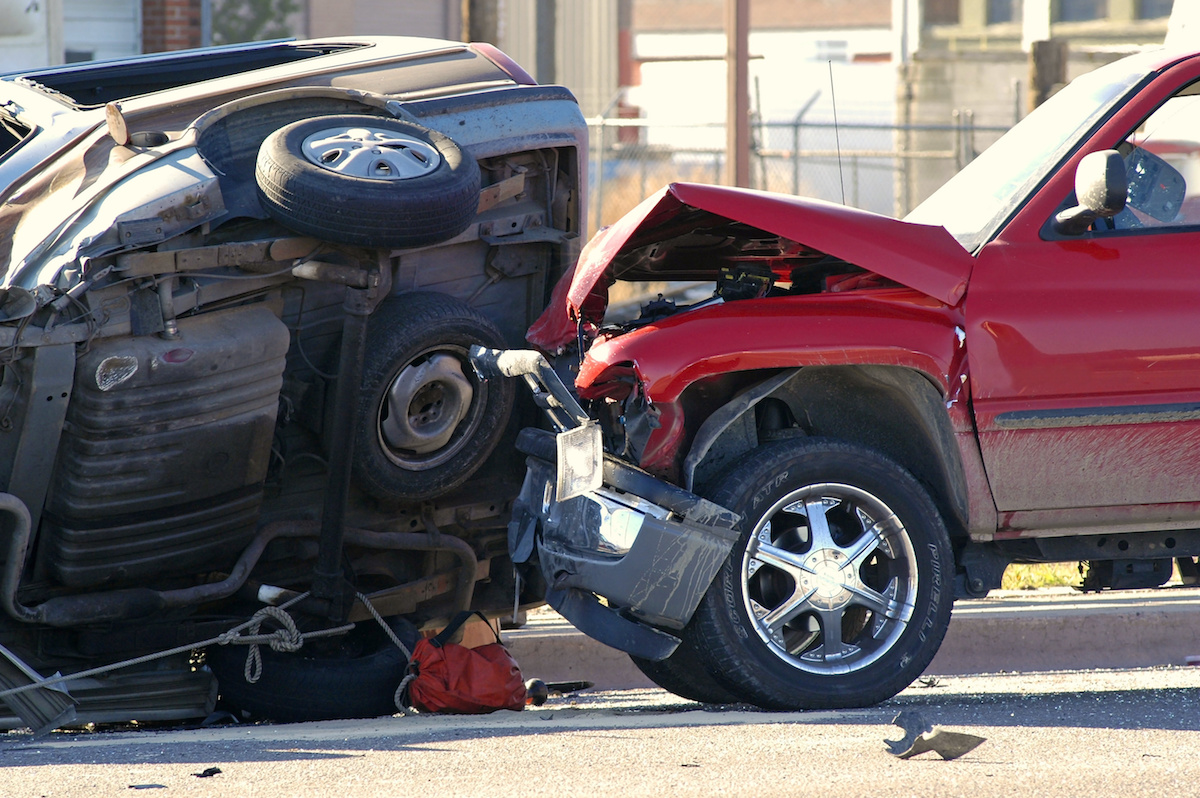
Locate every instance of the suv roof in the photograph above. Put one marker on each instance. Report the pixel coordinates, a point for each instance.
(100, 82)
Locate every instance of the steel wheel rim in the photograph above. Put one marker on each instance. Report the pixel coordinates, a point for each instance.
(829, 579)
(372, 153)
(430, 409)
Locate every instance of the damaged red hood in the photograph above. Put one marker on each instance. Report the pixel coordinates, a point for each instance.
(922, 257)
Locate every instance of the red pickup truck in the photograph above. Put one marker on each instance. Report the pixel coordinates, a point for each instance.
(775, 494)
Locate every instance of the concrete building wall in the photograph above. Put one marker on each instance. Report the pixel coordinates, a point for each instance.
(973, 91)
(586, 47)
(25, 39)
(969, 71)
(585, 34)
(690, 16)
(102, 29)
(440, 19)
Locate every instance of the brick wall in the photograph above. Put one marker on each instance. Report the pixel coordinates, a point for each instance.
(170, 25)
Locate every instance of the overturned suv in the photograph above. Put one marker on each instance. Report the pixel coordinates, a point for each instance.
(239, 286)
(775, 494)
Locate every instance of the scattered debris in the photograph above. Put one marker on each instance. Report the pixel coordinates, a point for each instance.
(566, 688)
(219, 718)
(929, 681)
(147, 786)
(920, 736)
(207, 773)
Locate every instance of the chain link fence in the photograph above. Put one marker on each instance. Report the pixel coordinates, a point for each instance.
(887, 169)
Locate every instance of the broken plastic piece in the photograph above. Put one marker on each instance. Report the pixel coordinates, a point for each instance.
(43, 709)
(920, 737)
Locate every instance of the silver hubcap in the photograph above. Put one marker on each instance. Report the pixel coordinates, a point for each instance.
(375, 153)
(829, 578)
(423, 409)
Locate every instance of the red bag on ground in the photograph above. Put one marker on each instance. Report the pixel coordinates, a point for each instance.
(469, 681)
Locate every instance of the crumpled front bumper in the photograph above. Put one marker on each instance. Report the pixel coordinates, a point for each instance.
(651, 558)
(625, 555)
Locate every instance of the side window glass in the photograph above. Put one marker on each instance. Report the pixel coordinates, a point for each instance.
(1162, 162)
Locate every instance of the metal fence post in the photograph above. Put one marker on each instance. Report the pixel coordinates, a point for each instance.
(969, 142)
(797, 121)
(854, 180)
(796, 155)
(599, 177)
(956, 120)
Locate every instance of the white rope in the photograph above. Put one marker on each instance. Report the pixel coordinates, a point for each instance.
(287, 638)
(280, 637)
(398, 696)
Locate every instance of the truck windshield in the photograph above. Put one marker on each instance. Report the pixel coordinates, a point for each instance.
(973, 203)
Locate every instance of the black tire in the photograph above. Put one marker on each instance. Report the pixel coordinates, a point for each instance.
(372, 206)
(355, 676)
(683, 673)
(885, 617)
(425, 420)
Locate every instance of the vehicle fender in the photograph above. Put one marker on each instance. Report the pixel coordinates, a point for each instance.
(827, 352)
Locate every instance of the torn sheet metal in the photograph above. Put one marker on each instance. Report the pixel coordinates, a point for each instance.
(921, 737)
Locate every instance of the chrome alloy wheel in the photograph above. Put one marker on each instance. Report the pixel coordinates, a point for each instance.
(430, 409)
(829, 578)
(374, 153)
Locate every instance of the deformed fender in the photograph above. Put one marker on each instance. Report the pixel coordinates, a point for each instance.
(891, 358)
(721, 419)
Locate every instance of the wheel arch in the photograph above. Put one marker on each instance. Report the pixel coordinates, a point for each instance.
(895, 410)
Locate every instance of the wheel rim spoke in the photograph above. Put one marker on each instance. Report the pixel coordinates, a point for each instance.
(879, 603)
(818, 523)
(832, 646)
(786, 612)
(782, 559)
(871, 540)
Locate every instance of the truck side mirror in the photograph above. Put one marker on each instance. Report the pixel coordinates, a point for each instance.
(1101, 187)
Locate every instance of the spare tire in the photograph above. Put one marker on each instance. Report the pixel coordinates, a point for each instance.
(425, 421)
(354, 676)
(367, 180)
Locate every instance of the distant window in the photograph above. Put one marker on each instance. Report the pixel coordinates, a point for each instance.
(941, 12)
(1080, 10)
(1003, 11)
(1153, 9)
(78, 56)
(832, 50)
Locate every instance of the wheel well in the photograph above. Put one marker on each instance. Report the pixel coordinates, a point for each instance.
(896, 411)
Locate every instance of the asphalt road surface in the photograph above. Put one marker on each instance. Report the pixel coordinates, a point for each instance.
(1095, 733)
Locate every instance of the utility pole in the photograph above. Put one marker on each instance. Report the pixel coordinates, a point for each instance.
(547, 41)
(481, 21)
(737, 115)
(1047, 55)
(1047, 70)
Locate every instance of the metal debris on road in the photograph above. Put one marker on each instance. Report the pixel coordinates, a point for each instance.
(920, 737)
